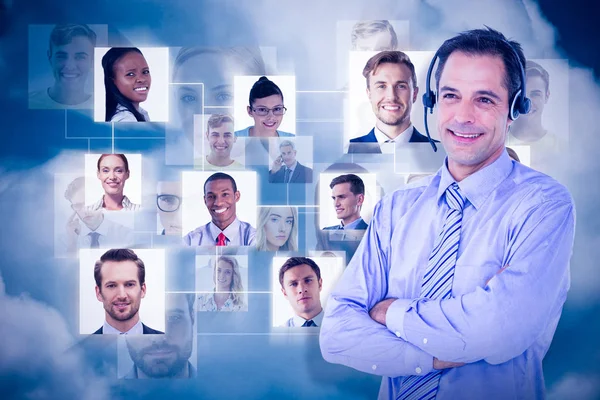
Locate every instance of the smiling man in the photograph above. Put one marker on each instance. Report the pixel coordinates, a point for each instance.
(392, 90)
(120, 286)
(348, 195)
(221, 138)
(225, 229)
(71, 57)
(301, 284)
(286, 169)
(458, 285)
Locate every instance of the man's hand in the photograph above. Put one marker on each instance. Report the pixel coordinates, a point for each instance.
(380, 309)
(276, 165)
(439, 364)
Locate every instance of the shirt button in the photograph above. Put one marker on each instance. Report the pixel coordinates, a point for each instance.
(418, 370)
(397, 333)
(374, 367)
(425, 341)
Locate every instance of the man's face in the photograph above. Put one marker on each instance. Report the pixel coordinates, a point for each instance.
(379, 41)
(169, 198)
(302, 289)
(165, 356)
(346, 203)
(473, 111)
(221, 140)
(392, 94)
(71, 62)
(120, 291)
(536, 91)
(113, 174)
(288, 155)
(132, 77)
(220, 200)
(91, 218)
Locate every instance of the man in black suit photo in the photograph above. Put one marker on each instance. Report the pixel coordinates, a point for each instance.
(392, 89)
(348, 194)
(286, 169)
(120, 277)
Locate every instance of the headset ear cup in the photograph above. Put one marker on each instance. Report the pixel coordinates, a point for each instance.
(526, 106)
(429, 99)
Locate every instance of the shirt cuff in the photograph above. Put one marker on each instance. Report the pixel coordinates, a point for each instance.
(394, 317)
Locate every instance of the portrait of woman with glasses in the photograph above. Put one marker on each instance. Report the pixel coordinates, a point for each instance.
(266, 109)
(168, 201)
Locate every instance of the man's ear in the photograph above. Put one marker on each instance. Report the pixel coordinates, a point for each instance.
(237, 196)
(320, 284)
(143, 290)
(361, 199)
(415, 93)
(99, 295)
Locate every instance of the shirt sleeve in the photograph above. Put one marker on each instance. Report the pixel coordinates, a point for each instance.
(517, 307)
(348, 334)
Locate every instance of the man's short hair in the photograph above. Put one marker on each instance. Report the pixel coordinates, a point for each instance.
(534, 69)
(216, 120)
(357, 185)
(218, 176)
(64, 34)
(287, 143)
(119, 255)
(296, 261)
(365, 29)
(389, 57)
(480, 42)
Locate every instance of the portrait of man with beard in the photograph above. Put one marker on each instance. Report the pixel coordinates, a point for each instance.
(166, 356)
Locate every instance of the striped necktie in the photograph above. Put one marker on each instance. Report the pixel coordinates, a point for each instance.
(437, 284)
(286, 178)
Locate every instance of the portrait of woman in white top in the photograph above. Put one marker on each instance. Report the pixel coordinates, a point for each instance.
(127, 83)
(277, 229)
(227, 294)
(113, 172)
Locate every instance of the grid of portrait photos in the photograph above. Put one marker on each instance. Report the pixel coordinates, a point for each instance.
(254, 193)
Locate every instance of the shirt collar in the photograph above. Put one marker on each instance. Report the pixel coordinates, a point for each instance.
(351, 225)
(404, 137)
(478, 186)
(231, 232)
(293, 167)
(108, 329)
(299, 321)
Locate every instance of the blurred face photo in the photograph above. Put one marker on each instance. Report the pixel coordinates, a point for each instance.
(223, 276)
(347, 204)
(169, 206)
(267, 124)
(379, 41)
(166, 356)
(132, 77)
(221, 140)
(302, 289)
(112, 174)
(71, 62)
(536, 91)
(220, 200)
(392, 94)
(120, 291)
(278, 227)
(288, 155)
(473, 111)
(91, 218)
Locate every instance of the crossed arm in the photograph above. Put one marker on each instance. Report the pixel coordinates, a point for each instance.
(495, 323)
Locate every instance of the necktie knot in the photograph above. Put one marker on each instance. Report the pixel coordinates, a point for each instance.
(454, 197)
(309, 322)
(221, 239)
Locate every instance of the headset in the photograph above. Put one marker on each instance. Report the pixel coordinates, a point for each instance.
(520, 104)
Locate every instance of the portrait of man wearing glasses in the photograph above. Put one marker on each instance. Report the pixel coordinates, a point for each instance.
(286, 169)
(168, 201)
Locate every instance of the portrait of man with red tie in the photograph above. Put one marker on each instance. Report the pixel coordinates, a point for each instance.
(221, 196)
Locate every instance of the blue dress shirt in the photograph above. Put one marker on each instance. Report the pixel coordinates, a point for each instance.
(510, 283)
(238, 233)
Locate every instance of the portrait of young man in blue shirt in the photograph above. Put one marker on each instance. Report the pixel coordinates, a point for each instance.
(458, 285)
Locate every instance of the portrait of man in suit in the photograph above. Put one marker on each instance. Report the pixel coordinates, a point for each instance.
(348, 194)
(301, 285)
(286, 169)
(392, 89)
(120, 277)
